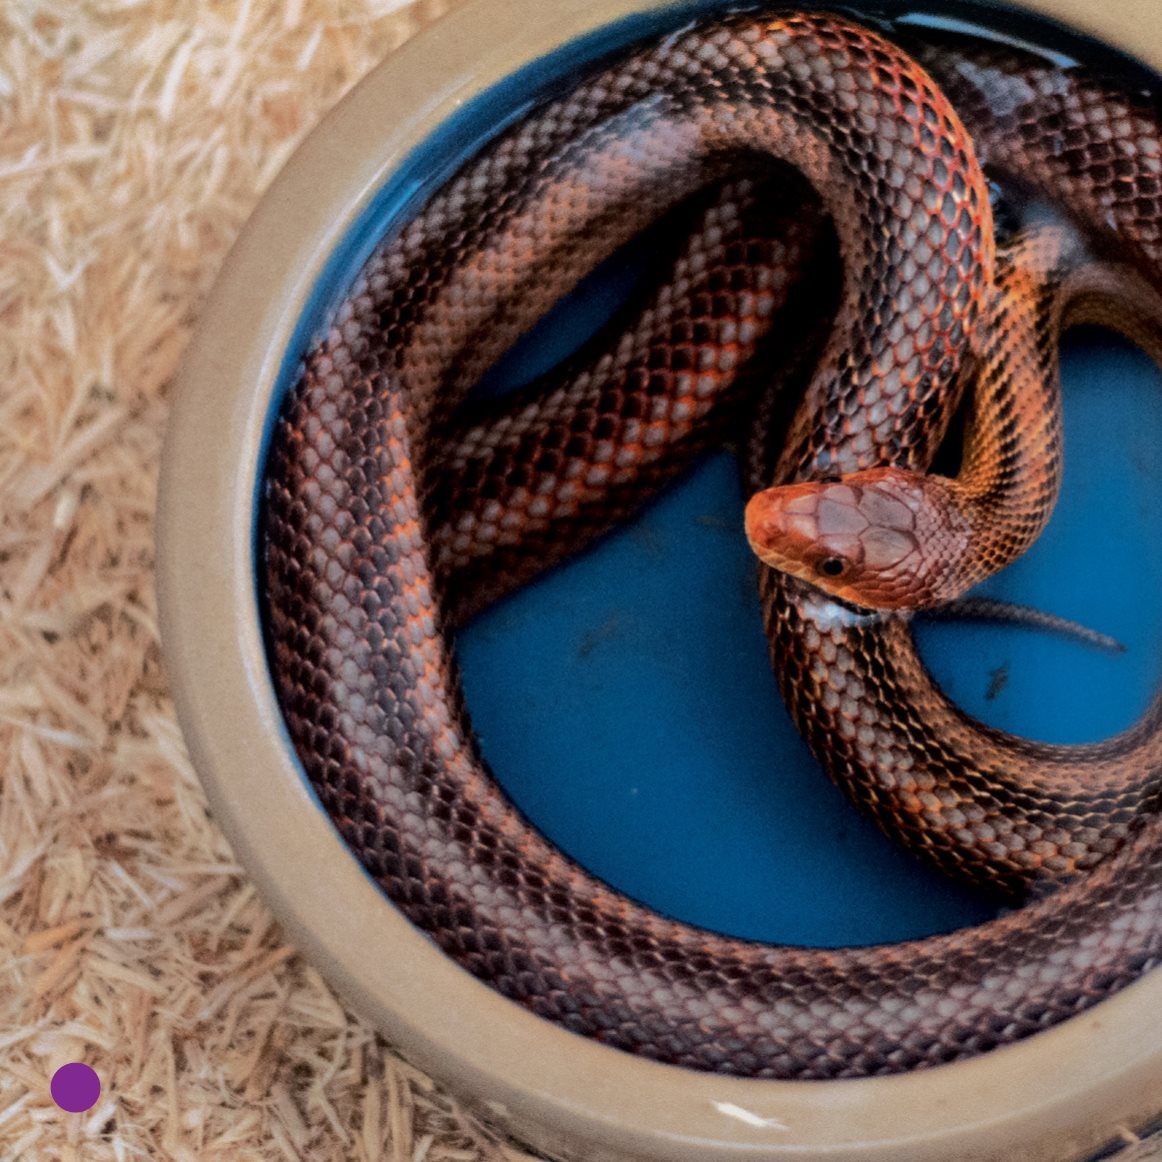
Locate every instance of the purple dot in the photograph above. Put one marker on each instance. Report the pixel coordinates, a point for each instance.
(75, 1087)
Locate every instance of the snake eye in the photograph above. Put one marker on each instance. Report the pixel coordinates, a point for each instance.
(832, 567)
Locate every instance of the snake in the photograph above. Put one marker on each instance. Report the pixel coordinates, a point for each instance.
(392, 511)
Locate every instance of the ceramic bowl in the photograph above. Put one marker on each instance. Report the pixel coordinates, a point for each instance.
(1053, 1096)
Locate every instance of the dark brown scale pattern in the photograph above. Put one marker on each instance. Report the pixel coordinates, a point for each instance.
(364, 674)
(1070, 134)
(540, 473)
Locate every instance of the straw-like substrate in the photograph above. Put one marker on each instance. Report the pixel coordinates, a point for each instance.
(135, 137)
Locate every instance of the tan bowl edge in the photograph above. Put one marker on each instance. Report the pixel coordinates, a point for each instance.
(1059, 1093)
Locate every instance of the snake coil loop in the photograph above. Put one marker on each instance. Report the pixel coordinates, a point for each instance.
(380, 496)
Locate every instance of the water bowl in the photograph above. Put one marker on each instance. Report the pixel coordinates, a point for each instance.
(625, 701)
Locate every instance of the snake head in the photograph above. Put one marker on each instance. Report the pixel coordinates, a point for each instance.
(884, 538)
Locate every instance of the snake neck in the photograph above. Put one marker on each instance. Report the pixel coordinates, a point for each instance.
(1014, 443)
(894, 538)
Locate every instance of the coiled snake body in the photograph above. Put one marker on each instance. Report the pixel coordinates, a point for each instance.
(380, 496)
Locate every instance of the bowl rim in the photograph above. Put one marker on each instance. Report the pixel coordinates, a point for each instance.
(1068, 1088)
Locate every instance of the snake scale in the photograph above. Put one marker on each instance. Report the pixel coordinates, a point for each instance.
(391, 513)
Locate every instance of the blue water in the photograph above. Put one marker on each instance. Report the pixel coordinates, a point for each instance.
(626, 701)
